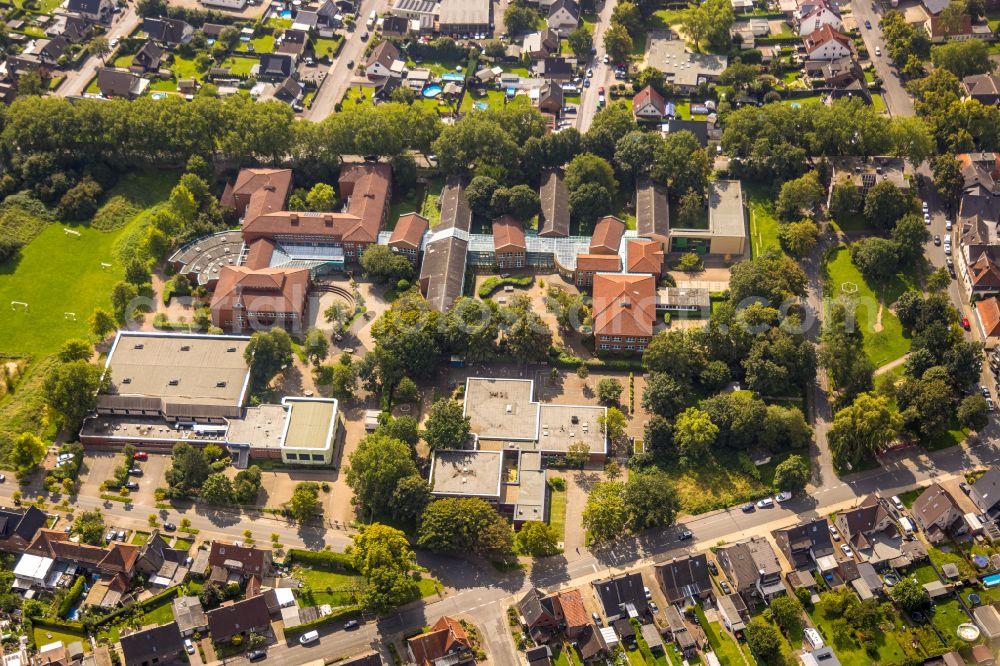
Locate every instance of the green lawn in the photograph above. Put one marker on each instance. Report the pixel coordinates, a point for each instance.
(182, 544)
(763, 223)
(924, 573)
(941, 556)
(60, 273)
(722, 482)
(589, 21)
(323, 46)
(493, 99)
(909, 497)
(850, 651)
(139, 538)
(262, 44)
(46, 635)
(878, 102)
(723, 645)
(124, 61)
(239, 66)
(327, 587)
(884, 345)
(557, 512)
(436, 67)
(184, 68)
(953, 435)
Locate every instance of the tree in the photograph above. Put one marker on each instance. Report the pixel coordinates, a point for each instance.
(137, 273)
(609, 391)
(862, 429)
(217, 489)
(740, 75)
(787, 613)
(694, 434)
(580, 42)
(464, 525)
(792, 474)
(885, 204)
(246, 485)
(267, 354)
(382, 555)
(589, 203)
(446, 427)
(973, 412)
(384, 266)
(519, 18)
(909, 595)
(375, 468)
(321, 198)
(910, 235)
(651, 500)
(188, 470)
(27, 452)
(577, 454)
(800, 196)
(305, 503)
(842, 353)
(677, 353)
(526, 335)
(537, 539)
(344, 378)
(337, 314)
(617, 42)
(480, 195)
(785, 428)
(764, 640)
(948, 179)
(89, 526)
(571, 310)
(406, 391)
(99, 48)
(739, 416)
(589, 168)
(627, 14)
(690, 262)
(845, 200)
(798, 238)
(635, 153)
(410, 498)
(605, 516)
(663, 395)
(75, 349)
(690, 209)
(613, 423)
(123, 300)
(315, 346)
(876, 258)
(962, 58)
(772, 276)
(71, 389)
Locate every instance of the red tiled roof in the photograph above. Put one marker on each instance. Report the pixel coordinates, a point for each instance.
(259, 253)
(508, 234)
(259, 191)
(367, 186)
(936, 31)
(989, 315)
(824, 34)
(645, 256)
(252, 561)
(607, 237)
(624, 305)
(271, 290)
(409, 231)
(984, 273)
(648, 95)
(446, 636)
(598, 262)
(573, 610)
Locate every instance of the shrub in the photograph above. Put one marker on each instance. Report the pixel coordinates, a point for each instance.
(326, 559)
(491, 284)
(114, 214)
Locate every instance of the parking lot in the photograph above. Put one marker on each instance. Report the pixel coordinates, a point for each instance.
(99, 466)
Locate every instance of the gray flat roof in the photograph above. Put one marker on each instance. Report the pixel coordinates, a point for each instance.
(310, 423)
(469, 473)
(182, 368)
(725, 208)
(464, 12)
(501, 408)
(559, 432)
(531, 480)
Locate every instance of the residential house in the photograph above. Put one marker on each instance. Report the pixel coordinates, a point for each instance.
(294, 43)
(825, 43)
(838, 74)
(275, 67)
(982, 655)
(590, 643)
(538, 656)
(553, 221)
(384, 61)
(189, 615)
(733, 612)
(564, 16)
(408, 235)
(679, 632)
(984, 88)
(938, 33)
(550, 98)
(74, 28)
(541, 44)
(95, 11)
(156, 645)
(559, 69)
(395, 26)
(985, 492)
(820, 15)
(235, 562)
(870, 529)
(508, 243)
(753, 568)
(988, 320)
(699, 128)
(167, 30)
(545, 615)
(416, 10)
(18, 528)
(685, 581)
(49, 51)
(623, 596)
(446, 642)
(147, 59)
(239, 619)
(805, 543)
(56, 653)
(648, 104)
(936, 513)
(624, 311)
(291, 90)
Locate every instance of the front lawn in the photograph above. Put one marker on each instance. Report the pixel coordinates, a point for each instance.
(763, 222)
(326, 47)
(883, 339)
(139, 538)
(557, 512)
(327, 587)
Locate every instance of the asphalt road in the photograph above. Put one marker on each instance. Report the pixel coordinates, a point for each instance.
(896, 97)
(77, 80)
(603, 75)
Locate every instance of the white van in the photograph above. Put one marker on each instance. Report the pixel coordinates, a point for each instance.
(371, 19)
(309, 637)
(908, 526)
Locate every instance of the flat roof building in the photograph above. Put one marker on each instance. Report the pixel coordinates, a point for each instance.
(310, 428)
(467, 473)
(465, 16)
(727, 228)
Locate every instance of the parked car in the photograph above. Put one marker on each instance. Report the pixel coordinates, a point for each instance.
(309, 637)
(964, 486)
(169, 527)
(724, 585)
(188, 646)
(783, 496)
(132, 485)
(937, 239)
(925, 206)
(990, 405)
(257, 655)
(965, 323)
(135, 471)
(120, 535)
(878, 50)
(597, 619)
(653, 607)
(747, 508)
(351, 624)
(898, 503)
(927, 218)
(606, 59)
(590, 73)
(686, 534)
(586, 83)
(985, 391)
(765, 503)
(868, 24)
(834, 533)
(350, 64)
(947, 225)
(109, 537)
(947, 248)
(847, 550)
(713, 568)
(647, 593)
(140, 455)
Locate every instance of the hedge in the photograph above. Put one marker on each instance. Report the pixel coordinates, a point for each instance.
(155, 600)
(71, 597)
(326, 559)
(561, 359)
(339, 614)
(491, 284)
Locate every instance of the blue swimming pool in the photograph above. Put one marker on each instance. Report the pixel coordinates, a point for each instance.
(458, 78)
(285, 14)
(431, 92)
(992, 580)
(481, 106)
(158, 95)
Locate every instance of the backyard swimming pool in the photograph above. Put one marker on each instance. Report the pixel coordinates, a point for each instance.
(285, 14)
(991, 580)
(457, 78)
(158, 95)
(430, 92)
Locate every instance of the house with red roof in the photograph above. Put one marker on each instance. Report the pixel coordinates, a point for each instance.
(509, 246)
(648, 104)
(408, 235)
(827, 44)
(624, 311)
(446, 642)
